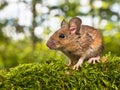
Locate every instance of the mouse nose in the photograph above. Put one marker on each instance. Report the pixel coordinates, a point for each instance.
(50, 44)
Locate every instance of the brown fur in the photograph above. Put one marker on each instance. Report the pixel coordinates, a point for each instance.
(79, 41)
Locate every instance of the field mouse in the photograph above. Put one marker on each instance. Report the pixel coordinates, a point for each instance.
(78, 42)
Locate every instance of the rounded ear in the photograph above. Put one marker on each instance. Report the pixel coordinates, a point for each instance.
(75, 24)
(63, 23)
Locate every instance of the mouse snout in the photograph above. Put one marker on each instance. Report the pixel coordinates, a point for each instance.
(51, 44)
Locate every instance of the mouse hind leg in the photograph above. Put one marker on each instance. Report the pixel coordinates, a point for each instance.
(94, 59)
(96, 53)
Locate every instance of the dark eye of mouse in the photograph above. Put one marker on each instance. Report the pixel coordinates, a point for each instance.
(61, 36)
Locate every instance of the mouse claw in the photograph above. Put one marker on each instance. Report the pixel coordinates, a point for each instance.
(76, 67)
(70, 63)
(94, 60)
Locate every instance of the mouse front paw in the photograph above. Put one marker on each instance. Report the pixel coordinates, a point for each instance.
(76, 67)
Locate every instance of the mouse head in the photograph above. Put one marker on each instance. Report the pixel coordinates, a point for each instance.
(65, 35)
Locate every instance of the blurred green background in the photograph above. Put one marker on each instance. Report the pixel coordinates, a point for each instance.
(25, 26)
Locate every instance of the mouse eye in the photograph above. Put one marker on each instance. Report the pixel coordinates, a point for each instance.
(61, 36)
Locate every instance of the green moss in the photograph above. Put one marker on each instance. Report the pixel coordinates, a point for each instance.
(53, 75)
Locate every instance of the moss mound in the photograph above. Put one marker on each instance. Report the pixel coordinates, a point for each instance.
(53, 75)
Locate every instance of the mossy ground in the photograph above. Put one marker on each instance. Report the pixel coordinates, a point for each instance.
(54, 75)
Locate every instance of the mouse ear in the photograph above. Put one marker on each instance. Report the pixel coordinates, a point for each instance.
(63, 23)
(75, 24)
